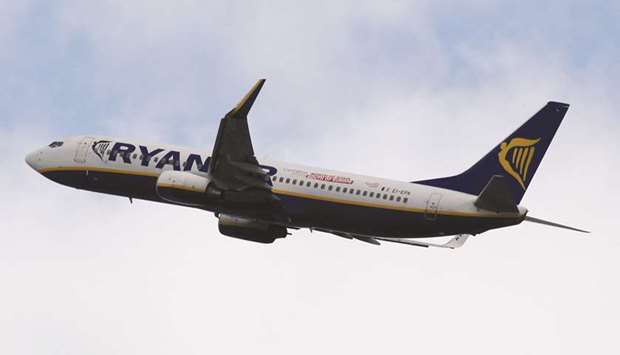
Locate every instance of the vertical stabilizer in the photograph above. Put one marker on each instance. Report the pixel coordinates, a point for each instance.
(517, 157)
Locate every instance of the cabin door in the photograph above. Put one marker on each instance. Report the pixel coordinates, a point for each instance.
(82, 150)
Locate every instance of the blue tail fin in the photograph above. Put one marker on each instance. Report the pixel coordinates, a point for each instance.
(517, 157)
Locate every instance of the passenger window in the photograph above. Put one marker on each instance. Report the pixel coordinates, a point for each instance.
(372, 194)
(288, 181)
(308, 183)
(405, 200)
(344, 189)
(323, 187)
(364, 193)
(357, 192)
(316, 185)
(398, 199)
(391, 197)
(301, 183)
(295, 182)
(337, 188)
(330, 187)
(281, 179)
(385, 196)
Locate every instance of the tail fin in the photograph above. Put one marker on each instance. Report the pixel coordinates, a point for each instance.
(517, 157)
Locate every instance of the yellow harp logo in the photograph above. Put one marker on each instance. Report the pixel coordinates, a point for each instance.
(515, 157)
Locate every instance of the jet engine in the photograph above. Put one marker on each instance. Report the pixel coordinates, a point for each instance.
(249, 229)
(185, 188)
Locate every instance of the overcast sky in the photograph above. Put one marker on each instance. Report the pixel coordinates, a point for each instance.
(406, 90)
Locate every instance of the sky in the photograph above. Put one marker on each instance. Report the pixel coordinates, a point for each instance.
(405, 90)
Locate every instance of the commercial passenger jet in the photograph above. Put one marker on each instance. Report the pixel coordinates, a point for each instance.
(261, 200)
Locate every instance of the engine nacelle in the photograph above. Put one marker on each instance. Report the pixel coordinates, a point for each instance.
(249, 229)
(183, 188)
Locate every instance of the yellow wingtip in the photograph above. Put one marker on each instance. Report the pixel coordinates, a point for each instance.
(244, 106)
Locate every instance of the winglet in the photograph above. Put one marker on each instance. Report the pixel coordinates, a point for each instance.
(243, 107)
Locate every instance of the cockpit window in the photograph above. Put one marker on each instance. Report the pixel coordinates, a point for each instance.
(55, 144)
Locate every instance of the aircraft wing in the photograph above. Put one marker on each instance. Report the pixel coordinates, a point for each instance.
(456, 241)
(233, 165)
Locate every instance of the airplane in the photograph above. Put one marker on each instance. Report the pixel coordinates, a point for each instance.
(261, 201)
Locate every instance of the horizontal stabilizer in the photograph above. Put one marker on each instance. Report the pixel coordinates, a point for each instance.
(496, 196)
(553, 224)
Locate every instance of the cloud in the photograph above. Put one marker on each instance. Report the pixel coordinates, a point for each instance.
(403, 90)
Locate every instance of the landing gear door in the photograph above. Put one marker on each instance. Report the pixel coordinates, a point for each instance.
(82, 150)
(432, 205)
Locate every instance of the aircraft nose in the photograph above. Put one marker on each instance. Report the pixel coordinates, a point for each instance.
(32, 159)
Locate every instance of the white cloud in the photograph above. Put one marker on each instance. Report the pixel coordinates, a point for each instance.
(389, 90)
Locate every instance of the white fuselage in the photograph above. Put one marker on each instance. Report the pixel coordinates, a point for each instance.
(313, 197)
